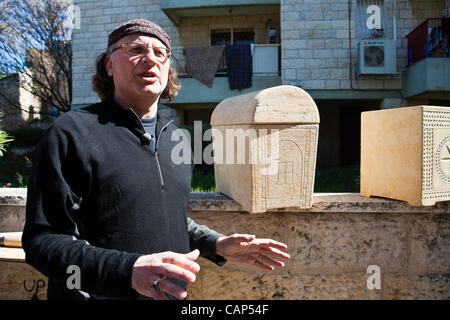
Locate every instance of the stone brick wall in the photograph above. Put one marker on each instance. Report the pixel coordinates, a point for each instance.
(314, 37)
(315, 42)
(315, 47)
(331, 246)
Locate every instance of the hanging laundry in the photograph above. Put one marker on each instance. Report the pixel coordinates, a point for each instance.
(239, 65)
(202, 62)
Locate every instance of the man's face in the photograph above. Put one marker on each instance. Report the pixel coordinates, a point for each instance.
(137, 77)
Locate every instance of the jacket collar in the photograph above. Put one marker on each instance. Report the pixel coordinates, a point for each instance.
(128, 118)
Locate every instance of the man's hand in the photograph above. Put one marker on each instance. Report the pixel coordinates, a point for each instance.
(164, 265)
(246, 249)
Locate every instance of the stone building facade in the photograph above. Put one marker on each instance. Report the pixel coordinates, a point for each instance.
(318, 51)
(16, 103)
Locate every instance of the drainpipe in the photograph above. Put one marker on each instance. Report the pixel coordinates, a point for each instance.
(394, 20)
(350, 42)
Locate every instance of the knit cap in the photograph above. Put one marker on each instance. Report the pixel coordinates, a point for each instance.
(139, 26)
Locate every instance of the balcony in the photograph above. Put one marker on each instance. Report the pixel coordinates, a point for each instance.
(428, 78)
(178, 9)
(266, 73)
(427, 75)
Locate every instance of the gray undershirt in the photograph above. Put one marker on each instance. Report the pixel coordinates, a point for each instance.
(149, 125)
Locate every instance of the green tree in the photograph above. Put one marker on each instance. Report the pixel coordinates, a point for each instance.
(4, 139)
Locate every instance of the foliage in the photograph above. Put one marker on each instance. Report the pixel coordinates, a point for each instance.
(342, 179)
(203, 179)
(15, 170)
(5, 139)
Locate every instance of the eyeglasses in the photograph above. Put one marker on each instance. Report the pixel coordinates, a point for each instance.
(139, 49)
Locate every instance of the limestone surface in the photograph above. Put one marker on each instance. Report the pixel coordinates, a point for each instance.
(265, 146)
(331, 245)
(405, 154)
(20, 281)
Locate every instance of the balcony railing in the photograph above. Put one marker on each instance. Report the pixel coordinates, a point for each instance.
(266, 61)
(430, 39)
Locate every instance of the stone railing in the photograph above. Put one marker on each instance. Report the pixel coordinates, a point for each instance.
(334, 247)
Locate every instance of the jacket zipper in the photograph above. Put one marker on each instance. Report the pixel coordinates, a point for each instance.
(156, 154)
(156, 146)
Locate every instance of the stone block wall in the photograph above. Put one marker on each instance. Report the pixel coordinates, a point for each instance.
(316, 44)
(331, 246)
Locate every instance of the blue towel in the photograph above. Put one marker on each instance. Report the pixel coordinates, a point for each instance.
(239, 65)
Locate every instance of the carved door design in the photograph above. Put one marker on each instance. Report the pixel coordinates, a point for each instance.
(283, 189)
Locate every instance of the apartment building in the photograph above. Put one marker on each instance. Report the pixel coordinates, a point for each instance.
(349, 55)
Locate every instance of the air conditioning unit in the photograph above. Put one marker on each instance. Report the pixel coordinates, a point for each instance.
(377, 57)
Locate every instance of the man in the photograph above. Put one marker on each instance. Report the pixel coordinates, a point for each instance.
(104, 195)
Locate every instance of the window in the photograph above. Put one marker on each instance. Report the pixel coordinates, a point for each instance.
(243, 35)
(222, 37)
(272, 35)
(231, 36)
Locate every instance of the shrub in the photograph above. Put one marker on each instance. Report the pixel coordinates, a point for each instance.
(5, 139)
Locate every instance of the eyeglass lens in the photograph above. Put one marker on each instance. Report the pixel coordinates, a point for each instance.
(138, 49)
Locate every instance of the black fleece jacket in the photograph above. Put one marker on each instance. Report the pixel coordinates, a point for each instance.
(99, 197)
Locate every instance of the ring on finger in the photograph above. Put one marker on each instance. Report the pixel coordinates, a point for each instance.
(156, 283)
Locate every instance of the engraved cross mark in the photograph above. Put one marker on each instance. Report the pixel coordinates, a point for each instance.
(285, 172)
(446, 160)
